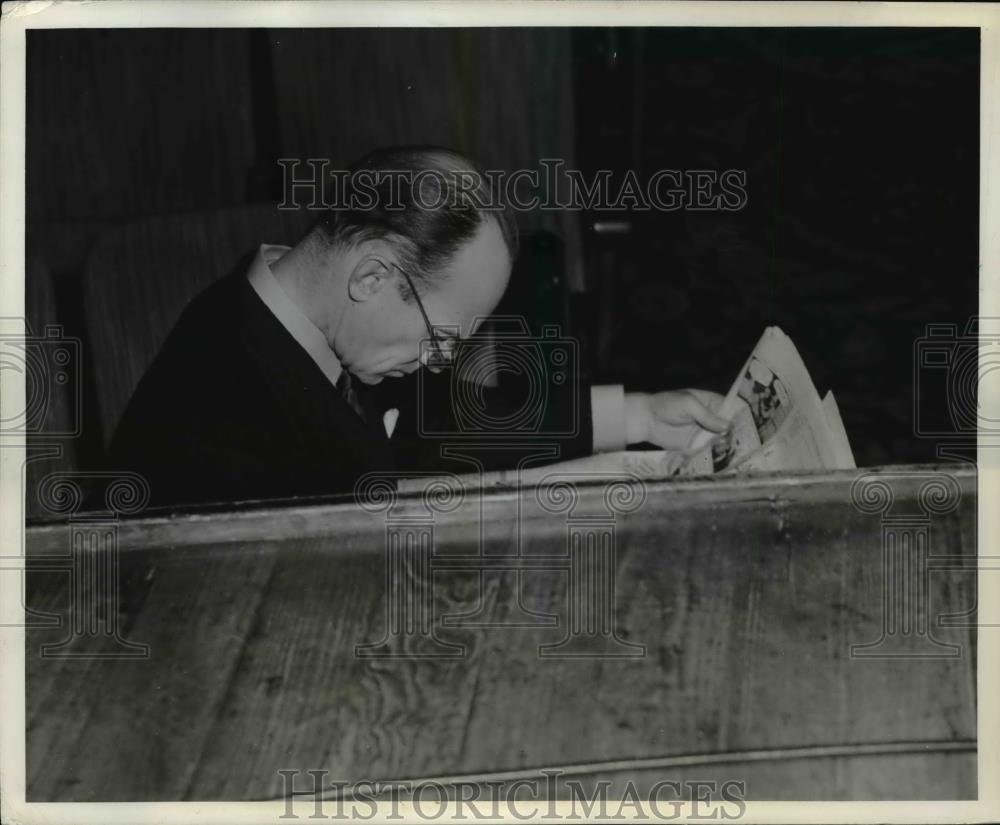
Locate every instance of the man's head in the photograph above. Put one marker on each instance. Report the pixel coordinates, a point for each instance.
(419, 211)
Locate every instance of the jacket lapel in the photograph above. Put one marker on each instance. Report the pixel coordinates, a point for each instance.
(317, 411)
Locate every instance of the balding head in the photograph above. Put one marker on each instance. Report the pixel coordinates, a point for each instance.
(421, 212)
(428, 202)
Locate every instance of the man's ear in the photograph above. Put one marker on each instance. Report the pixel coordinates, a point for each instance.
(367, 278)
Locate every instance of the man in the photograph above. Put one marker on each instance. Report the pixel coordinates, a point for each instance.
(266, 387)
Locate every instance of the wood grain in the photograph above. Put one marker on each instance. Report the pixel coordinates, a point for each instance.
(134, 728)
(746, 597)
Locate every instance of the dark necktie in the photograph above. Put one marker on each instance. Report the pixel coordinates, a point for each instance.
(344, 384)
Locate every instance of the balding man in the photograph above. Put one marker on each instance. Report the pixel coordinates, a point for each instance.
(265, 386)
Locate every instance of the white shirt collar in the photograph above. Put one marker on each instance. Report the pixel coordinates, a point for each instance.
(304, 331)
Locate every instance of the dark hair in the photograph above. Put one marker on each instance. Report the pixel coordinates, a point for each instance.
(427, 200)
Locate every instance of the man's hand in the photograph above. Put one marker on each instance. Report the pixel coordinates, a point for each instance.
(670, 419)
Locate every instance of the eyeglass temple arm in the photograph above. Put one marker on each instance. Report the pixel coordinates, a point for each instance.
(420, 306)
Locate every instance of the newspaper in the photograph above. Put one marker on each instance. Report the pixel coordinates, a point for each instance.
(779, 423)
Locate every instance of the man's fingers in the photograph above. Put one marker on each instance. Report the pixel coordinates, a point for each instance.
(706, 418)
(712, 400)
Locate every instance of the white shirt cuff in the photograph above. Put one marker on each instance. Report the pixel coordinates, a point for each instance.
(607, 404)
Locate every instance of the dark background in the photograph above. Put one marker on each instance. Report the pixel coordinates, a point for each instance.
(860, 147)
(861, 225)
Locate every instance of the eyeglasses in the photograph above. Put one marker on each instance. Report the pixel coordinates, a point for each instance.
(443, 348)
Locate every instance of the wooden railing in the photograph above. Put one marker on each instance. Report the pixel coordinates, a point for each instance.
(810, 635)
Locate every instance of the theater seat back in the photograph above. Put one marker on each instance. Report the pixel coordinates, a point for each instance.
(140, 276)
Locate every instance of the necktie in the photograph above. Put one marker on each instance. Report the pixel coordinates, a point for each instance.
(347, 390)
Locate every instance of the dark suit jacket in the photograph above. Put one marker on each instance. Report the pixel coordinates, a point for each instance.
(233, 409)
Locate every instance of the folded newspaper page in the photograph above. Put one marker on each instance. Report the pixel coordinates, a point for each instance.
(779, 423)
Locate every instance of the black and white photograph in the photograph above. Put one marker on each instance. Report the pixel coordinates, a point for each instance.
(578, 411)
